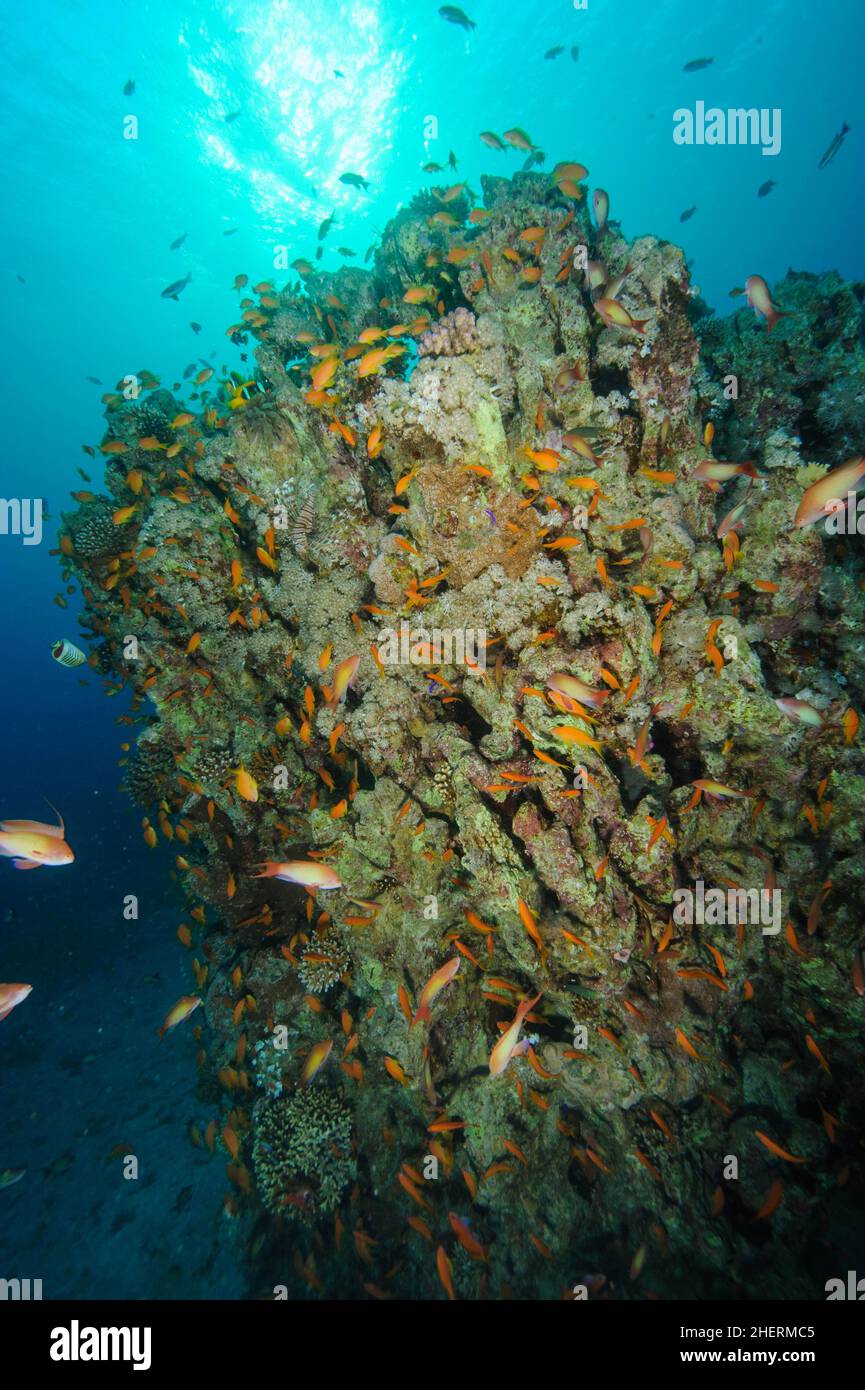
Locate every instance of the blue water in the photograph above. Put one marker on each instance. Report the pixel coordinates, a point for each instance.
(89, 219)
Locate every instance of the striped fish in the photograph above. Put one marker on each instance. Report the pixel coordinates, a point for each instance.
(301, 526)
(67, 654)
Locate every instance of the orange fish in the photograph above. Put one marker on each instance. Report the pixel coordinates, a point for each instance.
(466, 1238)
(433, 987)
(304, 872)
(185, 1006)
(817, 501)
(445, 1273)
(508, 1045)
(776, 1148)
(245, 784)
(315, 1060)
(527, 918)
(31, 844)
(343, 678)
(11, 996)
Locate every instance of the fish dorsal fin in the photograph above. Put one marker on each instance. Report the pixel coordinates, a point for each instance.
(34, 827)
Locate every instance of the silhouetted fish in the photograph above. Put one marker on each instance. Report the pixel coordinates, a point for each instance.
(835, 146)
(176, 245)
(696, 64)
(687, 214)
(765, 188)
(453, 15)
(129, 88)
(176, 288)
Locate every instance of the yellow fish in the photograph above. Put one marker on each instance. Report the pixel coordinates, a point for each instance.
(32, 845)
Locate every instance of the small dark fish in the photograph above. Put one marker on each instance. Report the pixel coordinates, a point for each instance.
(834, 147)
(535, 157)
(369, 253)
(697, 63)
(356, 180)
(431, 168)
(232, 116)
(196, 327)
(325, 226)
(86, 476)
(129, 88)
(345, 251)
(184, 1197)
(176, 245)
(175, 290)
(765, 188)
(337, 73)
(95, 380)
(554, 52)
(231, 231)
(59, 1165)
(452, 160)
(453, 15)
(687, 214)
(21, 278)
(319, 252)
(575, 52)
(187, 371)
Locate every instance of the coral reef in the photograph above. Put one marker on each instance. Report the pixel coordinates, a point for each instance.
(462, 440)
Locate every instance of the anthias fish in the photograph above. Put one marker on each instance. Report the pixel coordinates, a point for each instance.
(31, 844)
(307, 873)
(11, 996)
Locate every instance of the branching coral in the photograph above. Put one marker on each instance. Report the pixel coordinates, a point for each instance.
(302, 1153)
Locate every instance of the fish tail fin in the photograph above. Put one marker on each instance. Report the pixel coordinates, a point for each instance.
(422, 1015)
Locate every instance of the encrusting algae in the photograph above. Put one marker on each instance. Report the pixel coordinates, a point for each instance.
(459, 1041)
